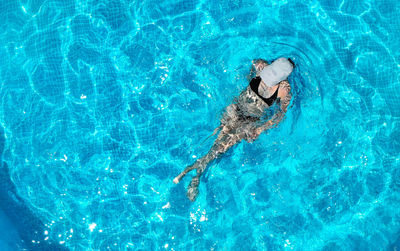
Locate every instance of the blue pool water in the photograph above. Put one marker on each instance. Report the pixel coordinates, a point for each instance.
(103, 103)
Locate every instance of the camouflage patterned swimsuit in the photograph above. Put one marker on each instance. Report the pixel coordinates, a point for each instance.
(244, 115)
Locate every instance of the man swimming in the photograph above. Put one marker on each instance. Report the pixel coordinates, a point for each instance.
(246, 117)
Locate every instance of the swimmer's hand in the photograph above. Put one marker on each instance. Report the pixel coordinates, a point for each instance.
(176, 180)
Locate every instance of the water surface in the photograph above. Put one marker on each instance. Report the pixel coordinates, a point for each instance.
(104, 102)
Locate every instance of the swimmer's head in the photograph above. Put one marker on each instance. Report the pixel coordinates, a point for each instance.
(276, 72)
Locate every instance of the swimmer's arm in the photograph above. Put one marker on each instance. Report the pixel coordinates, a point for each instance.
(276, 119)
(280, 114)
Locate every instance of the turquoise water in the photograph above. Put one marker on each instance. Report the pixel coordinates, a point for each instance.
(103, 103)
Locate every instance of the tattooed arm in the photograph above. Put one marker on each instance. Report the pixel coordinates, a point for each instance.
(285, 96)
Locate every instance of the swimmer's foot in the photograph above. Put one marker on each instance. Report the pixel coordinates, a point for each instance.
(176, 180)
(193, 189)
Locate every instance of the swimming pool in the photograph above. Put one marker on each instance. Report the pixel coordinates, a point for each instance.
(104, 102)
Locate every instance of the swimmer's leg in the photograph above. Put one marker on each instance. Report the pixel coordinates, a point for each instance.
(221, 145)
(193, 188)
(187, 169)
(206, 158)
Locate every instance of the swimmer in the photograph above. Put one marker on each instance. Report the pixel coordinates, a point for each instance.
(245, 117)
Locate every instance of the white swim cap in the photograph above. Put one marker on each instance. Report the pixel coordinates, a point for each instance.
(274, 73)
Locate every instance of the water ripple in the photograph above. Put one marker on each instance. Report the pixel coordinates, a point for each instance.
(103, 102)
